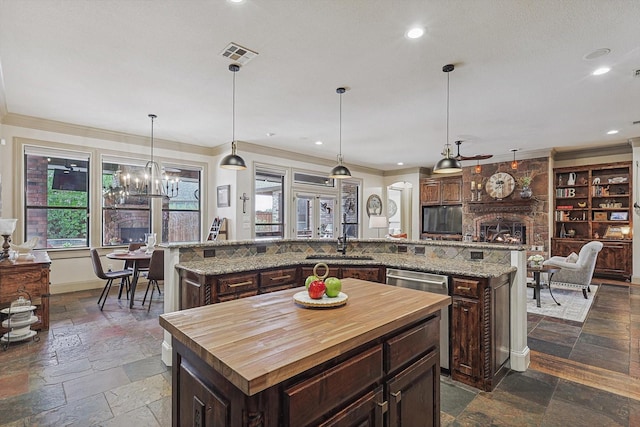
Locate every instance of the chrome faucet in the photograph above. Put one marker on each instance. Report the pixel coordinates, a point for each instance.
(342, 241)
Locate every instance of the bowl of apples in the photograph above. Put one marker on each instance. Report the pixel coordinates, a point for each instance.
(321, 291)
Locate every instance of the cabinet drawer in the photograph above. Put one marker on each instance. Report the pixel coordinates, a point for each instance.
(407, 346)
(466, 287)
(279, 278)
(238, 283)
(330, 389)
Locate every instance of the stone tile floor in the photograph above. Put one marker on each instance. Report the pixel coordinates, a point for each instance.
(96, 368)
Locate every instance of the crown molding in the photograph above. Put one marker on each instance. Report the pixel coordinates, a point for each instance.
(30, 122)
(587, 152)
(248, 147)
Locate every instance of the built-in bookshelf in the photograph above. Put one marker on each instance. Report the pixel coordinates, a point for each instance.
(595, 203)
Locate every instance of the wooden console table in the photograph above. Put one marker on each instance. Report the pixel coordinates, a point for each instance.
(33, 276)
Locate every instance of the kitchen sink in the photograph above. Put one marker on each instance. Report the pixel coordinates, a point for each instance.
(339, 256)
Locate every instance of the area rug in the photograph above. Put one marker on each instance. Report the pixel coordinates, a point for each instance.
(573, 305)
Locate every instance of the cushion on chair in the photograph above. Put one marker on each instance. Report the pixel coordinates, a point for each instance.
(573, 257)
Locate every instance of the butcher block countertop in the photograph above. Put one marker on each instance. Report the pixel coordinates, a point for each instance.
(260, 341)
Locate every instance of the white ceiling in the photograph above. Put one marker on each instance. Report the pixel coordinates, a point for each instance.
(521, 80)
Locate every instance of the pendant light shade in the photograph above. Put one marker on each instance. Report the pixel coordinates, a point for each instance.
(233, 161)
(514, 163)
(448, 164)
(340, 171)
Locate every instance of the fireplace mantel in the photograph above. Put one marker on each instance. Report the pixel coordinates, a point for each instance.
(508, 205)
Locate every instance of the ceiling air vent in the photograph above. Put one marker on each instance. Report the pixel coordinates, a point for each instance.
(238, 54)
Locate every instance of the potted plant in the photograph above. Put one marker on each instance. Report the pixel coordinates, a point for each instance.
(525, 183)
(536, 260)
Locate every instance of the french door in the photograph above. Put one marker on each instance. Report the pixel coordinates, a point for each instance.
(316, 216)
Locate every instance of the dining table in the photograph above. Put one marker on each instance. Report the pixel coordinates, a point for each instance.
(134, 258)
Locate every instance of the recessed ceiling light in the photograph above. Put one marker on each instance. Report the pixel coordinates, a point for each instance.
(612, 132)
(399, 163)
(597, 53)
(318, 142)
(415, 33)
(235, 1)
(600, 71)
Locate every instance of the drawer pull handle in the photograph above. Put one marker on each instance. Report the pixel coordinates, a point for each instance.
(466, 310)
(383, 406)
(288, 276)
(463, 288)
(397, 395)
(235, 285)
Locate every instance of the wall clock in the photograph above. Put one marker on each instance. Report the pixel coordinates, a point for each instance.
(500, 185)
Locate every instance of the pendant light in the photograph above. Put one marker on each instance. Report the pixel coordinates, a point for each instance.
(340, 171)
(448, 164)
(514, 163)
(233, 161)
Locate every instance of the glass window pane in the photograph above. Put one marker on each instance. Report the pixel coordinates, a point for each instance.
(349, 194)
(269, 204)
(57, 199)
(181, 218)
(124, 226)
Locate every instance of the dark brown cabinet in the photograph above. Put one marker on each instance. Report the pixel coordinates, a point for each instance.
(33, 276)
(278, 279)
(391, 381)
(595, 203)
(480, 340)
(441, 191)
(372, 274)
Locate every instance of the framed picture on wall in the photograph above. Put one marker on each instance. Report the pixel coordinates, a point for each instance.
(224, 200)
(619, 216)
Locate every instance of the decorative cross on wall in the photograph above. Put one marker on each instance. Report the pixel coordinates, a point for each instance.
(244, 199)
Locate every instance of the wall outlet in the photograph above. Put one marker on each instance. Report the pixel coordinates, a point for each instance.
(476, 255)
(209, 253)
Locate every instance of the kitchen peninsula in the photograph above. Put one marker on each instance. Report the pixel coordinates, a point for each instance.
(264, 360)
(201, 263)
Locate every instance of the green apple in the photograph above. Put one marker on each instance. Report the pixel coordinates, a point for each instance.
(334, 286)
(309, 280)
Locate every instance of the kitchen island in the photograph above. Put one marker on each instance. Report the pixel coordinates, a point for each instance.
(264, 360)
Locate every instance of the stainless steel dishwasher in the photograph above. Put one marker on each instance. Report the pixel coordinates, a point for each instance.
(428, 282)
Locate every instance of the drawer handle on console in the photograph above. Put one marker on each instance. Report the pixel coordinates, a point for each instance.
(382, 407)
(288, 276)
(463, 288)
(397, 395)
(235, 285)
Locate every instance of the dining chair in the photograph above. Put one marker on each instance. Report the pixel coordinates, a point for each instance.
(155, 274)
(109, 276)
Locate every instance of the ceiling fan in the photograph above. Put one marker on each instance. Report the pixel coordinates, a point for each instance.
(476, 157)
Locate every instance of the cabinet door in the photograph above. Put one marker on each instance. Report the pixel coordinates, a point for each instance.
(199, 405)
(363, 273)
(451, 191)
(466, 316)
(614, 259)
(193, 293)
(367, 411)
(430, 192)
(414, 394)
(308, 271)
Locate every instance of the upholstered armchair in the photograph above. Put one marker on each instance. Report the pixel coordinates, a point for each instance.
(576, 271)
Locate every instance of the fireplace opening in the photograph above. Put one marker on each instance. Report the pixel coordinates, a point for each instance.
(505, 232)
(132, 234)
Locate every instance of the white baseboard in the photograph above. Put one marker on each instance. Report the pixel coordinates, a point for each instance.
(63, 288)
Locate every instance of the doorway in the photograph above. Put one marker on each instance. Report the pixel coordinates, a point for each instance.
(315, 216)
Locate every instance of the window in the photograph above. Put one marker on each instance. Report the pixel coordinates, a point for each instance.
(309, 179)
(181, 221)
(269, 204)
(125, 218)
(350, 198)
(57, 197)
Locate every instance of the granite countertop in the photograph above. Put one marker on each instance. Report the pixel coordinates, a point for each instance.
(218, 266)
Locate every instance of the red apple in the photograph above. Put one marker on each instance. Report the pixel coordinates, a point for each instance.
(316, 289)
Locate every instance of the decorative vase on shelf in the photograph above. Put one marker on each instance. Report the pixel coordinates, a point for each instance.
(526, 193)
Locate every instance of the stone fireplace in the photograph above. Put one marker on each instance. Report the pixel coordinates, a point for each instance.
(512, 220)
(505, 229)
